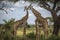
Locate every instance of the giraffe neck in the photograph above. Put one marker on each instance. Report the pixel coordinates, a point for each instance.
(20, 22)
(25, 17)
(35, 12)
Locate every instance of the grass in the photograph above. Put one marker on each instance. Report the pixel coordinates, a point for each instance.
(31, 34)
(29, 30)
(20, 31)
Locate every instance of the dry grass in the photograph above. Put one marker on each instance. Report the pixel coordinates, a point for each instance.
(31, 30)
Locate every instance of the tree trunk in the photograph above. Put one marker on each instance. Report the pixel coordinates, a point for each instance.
(56, 27)
(56, 23)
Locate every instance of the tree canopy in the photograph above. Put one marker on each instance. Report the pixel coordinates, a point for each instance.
(9, 0)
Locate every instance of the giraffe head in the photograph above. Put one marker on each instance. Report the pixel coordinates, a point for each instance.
(30, 7)
(25, 8)
(36, 13)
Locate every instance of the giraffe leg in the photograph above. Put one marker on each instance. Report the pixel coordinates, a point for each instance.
(24, 31)
(45, 32)
(37, 31)
(14, 33)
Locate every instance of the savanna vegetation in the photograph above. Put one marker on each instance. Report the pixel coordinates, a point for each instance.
(7, 29)
(6, 32)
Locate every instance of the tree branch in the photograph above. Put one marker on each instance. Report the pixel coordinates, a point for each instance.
(3, 10)
(49, 9)
(45, 6)
(43, 1)
(57, 9)
(54, 6)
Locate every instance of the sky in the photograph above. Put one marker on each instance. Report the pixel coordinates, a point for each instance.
(18, 12)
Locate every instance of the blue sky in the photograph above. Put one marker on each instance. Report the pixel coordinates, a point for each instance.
(18, 12)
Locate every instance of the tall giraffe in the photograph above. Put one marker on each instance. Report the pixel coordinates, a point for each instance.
(39, 20)
(22, 22)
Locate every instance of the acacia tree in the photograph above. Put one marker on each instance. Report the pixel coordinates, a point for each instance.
(53, 10)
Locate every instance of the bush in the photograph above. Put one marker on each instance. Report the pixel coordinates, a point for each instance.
(54, 38)
(6, 30)
(31, 35)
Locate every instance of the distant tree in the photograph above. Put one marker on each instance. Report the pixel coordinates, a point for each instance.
(8, 24)
(28, 26)
(50, 18)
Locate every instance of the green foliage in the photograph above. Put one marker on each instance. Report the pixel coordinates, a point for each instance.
(54, 37)
(28, 26)
(6, 30)
(13, 0)
(50, 18)
(32, 0)
(42, 37)
(31, 36)
(8, 24)
(35, 0)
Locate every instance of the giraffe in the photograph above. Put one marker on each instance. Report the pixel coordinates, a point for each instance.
(39, 21)
(22, 22)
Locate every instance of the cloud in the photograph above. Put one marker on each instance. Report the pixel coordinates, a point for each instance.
(30, 14)
(38, 8)
(22, 3)
(17, 4)
(12, 8)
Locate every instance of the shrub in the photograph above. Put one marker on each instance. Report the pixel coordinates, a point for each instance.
(53, 37)
(31, 35)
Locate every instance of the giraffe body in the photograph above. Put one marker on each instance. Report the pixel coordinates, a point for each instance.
(22, 22)
(39, 21)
